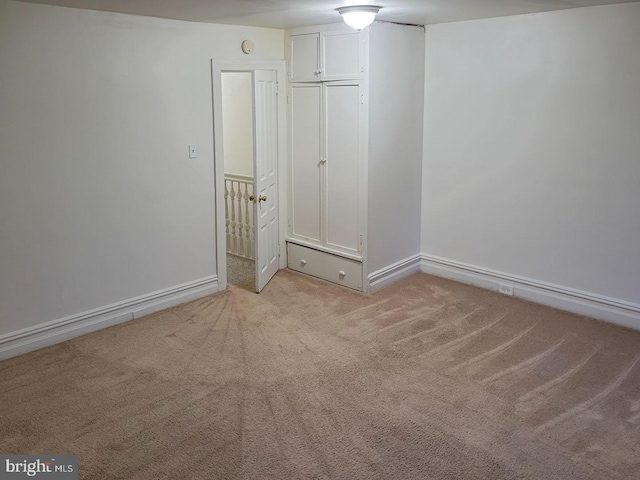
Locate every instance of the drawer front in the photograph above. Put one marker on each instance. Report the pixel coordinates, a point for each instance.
(333, 268)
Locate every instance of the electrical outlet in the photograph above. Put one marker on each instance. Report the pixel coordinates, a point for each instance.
(506, 289)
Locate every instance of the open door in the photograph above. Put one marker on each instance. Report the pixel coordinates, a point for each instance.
(265, 158)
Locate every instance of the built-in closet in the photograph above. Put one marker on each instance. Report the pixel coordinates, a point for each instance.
(339, 91)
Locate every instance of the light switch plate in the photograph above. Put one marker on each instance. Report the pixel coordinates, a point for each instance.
(193, 153)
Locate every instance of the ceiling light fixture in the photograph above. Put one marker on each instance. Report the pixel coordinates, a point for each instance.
(358, 16)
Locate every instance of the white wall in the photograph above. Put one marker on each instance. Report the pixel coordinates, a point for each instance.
(237, 119)
(395, 143)
(532, 147)
(99, 202)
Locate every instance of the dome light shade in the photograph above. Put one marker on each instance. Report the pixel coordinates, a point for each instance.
(358, 16)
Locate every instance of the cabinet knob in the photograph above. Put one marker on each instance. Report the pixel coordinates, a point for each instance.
(303, 262)
(342, 273)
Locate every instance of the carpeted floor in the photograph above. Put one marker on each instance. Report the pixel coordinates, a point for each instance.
(241, 272)
(427, 379)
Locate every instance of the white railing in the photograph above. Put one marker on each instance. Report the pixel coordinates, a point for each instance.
(239, 215)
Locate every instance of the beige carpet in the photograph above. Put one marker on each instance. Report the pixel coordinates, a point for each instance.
(428, 379)
(241, 272)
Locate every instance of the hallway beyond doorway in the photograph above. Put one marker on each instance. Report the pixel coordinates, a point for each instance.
(241, 272)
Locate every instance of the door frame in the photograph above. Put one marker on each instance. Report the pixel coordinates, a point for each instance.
(217, 67)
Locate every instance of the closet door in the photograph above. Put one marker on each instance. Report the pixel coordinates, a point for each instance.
(341, 55)
(305, 114)
(342, 126)
(305, 58)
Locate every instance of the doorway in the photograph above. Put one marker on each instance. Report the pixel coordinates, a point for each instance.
(238, 143)
(249, 128)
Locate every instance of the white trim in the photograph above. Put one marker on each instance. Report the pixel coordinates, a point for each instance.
(56, 331)
(394, 272)
(322, 248)
(363, 166)
(594, 305)
(338, 26)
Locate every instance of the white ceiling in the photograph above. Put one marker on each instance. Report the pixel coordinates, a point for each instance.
(297, 13)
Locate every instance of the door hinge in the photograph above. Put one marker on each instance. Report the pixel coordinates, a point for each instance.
(362, 99)
(288, 99)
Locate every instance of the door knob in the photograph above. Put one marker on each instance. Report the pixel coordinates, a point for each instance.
(262, 198)
(252, 198)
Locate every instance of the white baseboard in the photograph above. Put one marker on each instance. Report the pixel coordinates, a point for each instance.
(394, 272)
(612, 310)
(56, 331)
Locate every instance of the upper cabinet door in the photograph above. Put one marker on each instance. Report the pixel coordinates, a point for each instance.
(341, 57)
(305, 58)
(325, 56)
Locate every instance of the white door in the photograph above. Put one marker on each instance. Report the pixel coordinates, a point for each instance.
(340, 56)
(265, 158)
(306, 124)
(305, 58)
(342, 158)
